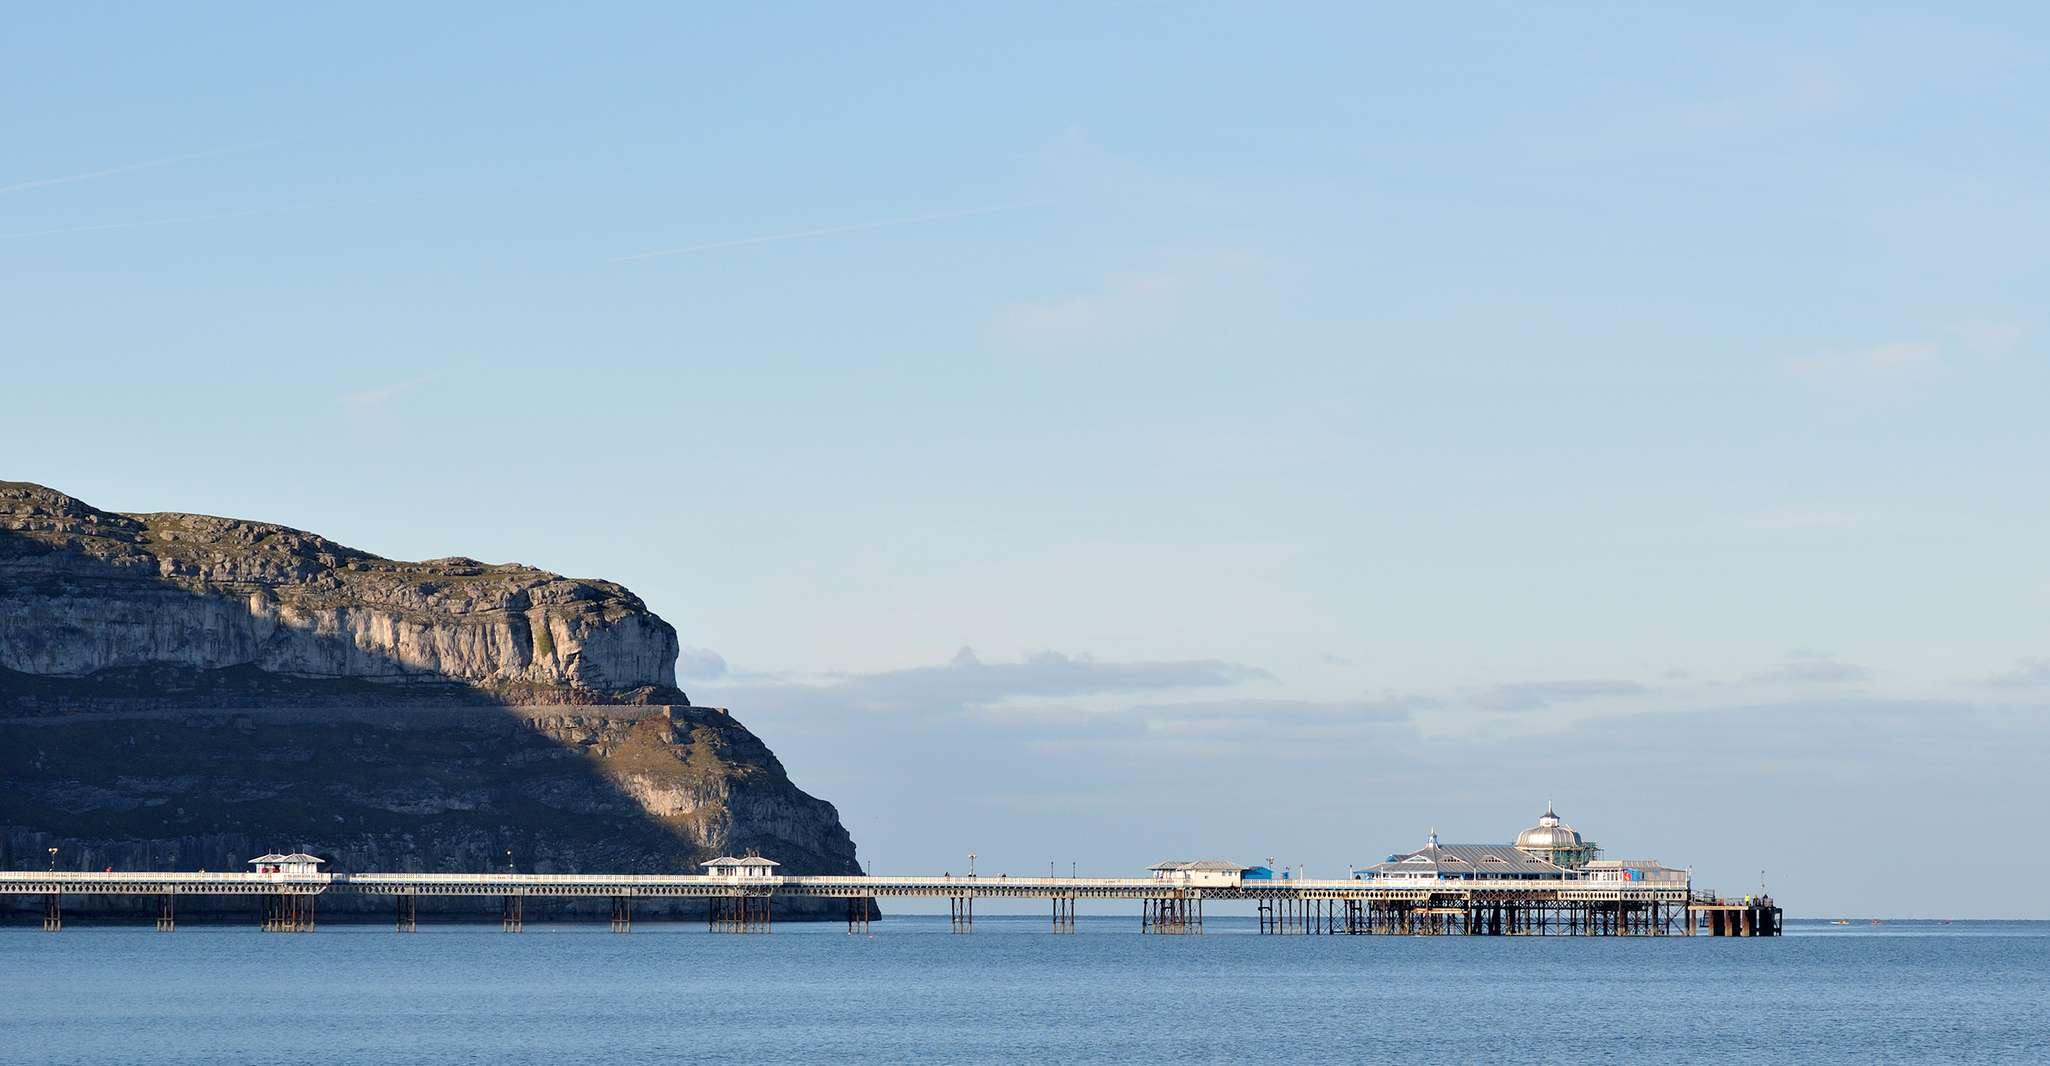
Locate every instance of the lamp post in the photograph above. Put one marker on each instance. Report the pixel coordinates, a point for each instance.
(508, 861)
(971, 864)
(53, 860)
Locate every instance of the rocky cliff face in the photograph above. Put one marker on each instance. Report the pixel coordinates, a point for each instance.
(83, 591)
(183, 692)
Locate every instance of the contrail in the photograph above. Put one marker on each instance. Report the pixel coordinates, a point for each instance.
(148, 222)
(823, 232)
(126, 167)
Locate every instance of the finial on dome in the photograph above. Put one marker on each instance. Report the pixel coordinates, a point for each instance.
(1434, 836)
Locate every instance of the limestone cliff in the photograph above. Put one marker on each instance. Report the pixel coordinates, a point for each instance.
(185, 692)
(84, 591)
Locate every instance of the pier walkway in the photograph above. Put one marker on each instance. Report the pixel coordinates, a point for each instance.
(1552, 907)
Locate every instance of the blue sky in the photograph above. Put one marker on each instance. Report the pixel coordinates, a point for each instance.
(1321, 425)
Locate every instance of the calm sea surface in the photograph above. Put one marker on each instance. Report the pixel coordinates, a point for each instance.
(1906, 992)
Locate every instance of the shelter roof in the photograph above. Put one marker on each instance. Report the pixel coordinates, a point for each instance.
(1481, 858)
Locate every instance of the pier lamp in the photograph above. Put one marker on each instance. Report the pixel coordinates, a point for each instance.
(508, 860)
(971, 864)
(53, 860)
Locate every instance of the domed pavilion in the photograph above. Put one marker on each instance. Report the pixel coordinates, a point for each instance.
(1552, 840)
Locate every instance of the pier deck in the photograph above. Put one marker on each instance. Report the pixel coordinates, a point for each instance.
(1528, 907)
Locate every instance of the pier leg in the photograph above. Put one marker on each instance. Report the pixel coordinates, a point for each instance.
(859, 911)
(167, 920)
(287, 912)
(409, 912)
(53, 912)
(1176, 915)
(961, 909)
(622, 914)
(1064, 914)
(512, 914)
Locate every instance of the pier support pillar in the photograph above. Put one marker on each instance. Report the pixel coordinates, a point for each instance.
(859, 911)
(741, 912)
(961, 910)
(287, 912)
(512, 913)
(53, 912)
(1172, 915)
(409, 912)
(622, 914)
(167, 919)
(1064, 914)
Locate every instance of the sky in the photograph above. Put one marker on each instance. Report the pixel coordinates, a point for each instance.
(1088, 434)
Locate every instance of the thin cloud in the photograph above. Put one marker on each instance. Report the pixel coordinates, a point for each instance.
(967, 682)
(1808, 667)
(1126, 305)
(1879, 368)
(125, 168)
(2027, 673)
(177, 221)
(1533, 695)
(1987, 337)
(823, 231)
(701, 664)
(370, 404)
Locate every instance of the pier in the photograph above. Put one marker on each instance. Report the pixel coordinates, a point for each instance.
(1549, 882)
(1361, 906)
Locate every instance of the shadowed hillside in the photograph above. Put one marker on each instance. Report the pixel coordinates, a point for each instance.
(185, 692)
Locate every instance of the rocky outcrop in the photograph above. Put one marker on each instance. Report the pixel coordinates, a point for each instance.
(185, 692)
(84, 591)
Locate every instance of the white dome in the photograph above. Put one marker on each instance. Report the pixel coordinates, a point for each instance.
(1549, 834)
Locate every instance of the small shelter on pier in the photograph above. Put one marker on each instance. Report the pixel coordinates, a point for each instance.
(747, 867)
(298, 864)
(1199, 873)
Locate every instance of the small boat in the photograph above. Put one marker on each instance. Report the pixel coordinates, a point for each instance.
(1840, 921)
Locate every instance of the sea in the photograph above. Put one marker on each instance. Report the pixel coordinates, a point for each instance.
(1013, 992)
